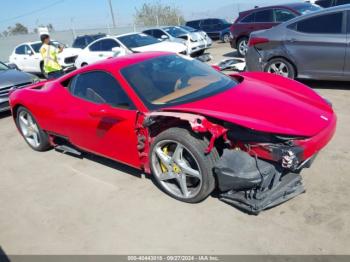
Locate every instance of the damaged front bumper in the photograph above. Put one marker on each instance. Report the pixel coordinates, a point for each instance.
(253, 185)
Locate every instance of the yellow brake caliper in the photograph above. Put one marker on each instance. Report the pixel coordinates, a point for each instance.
(162, 166)
(176, 168)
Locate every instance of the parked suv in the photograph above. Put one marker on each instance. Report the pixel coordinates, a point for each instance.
(216, 28)
(330, 3)
(314, 46)
(264, 18)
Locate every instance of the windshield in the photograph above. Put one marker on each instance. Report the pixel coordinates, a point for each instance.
(3, 67)
(308, 8)
(175, 31)
(174, 79)
(137, 40)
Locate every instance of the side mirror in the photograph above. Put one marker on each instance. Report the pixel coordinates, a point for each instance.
(116, 51)
(13, 67)
(29, 52)
(164, 37)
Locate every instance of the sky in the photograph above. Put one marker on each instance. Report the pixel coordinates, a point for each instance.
(86, 14)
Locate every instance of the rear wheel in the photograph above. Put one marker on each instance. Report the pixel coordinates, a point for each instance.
(180, 166)
(35, 137)
(282, 67)
(242, 46)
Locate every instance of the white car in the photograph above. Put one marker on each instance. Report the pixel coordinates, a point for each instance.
(27, 57)
(112, 46)
(207, 40)
(194, 41)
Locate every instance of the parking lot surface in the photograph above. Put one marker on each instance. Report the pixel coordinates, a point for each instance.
(51, 203)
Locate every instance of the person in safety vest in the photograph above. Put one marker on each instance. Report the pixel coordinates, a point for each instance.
(49, 54)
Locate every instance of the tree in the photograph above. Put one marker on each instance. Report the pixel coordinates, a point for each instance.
(158, 14)
(18, 29)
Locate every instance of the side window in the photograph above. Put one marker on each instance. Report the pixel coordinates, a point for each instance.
(158, 33)
(322, 24)
(108, 44)
(249, 18)
(101, 88)
(96, 46)
(282, 15)
(265, 16)
(20, 50)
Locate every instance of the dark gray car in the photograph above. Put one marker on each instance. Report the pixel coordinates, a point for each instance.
(314, 46)
(9, 78)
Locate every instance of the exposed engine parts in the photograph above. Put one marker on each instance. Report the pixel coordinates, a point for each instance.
(253, 185)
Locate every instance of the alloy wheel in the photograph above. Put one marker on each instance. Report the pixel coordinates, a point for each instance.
(29, 129)
(243, 47)
(176, 169)
(278, 68)
(226, 38)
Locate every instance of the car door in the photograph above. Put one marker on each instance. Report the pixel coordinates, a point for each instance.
(99, 117)
(101, 49)
(318, 45)
(31, 60)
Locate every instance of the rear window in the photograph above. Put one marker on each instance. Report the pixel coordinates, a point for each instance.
(323, 24)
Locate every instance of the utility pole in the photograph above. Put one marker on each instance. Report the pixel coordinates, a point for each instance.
(112, 13)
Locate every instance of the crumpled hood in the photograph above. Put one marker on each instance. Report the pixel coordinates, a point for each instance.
(267, 103)
(162, 47)
(14, 77)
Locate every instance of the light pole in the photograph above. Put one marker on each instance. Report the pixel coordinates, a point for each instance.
(112, 13)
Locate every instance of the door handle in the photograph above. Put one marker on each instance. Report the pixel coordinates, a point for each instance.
(100, 55)
(105, 112)
(292, 40)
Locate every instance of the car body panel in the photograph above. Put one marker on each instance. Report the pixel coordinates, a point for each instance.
(214, 30)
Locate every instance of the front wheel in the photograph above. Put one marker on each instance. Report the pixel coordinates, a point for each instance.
(35, 137)
(181, 167)
(282, 67)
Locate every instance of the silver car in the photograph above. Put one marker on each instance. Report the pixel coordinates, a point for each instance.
(313, 46)
(194, 42)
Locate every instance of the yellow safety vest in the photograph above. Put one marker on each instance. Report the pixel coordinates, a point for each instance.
(49, 55)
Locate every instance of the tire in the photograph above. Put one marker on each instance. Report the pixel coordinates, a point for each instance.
(199, 53)
(242, 46)
(226, 38)
(281, 66)
(193, 167)
(39, 141)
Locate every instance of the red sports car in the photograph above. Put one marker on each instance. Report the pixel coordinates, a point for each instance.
(195, 129)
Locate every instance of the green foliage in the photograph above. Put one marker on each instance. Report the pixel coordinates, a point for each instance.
(18, 29)
(151, 14)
